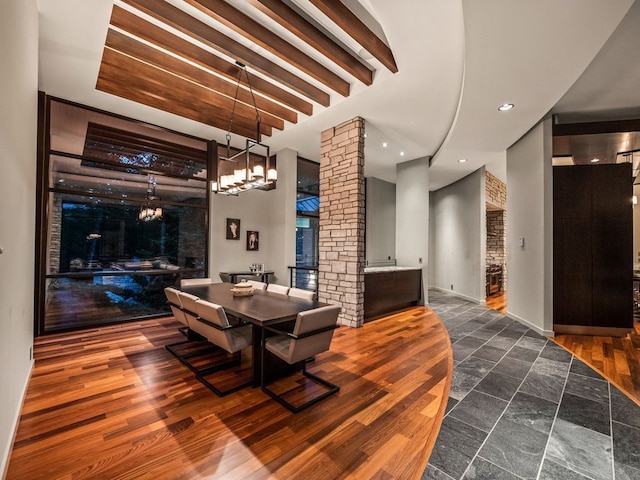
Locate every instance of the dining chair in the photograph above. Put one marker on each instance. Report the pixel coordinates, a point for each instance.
(195, 348)
(225, 277)
(275, 288)
(257, 285)
(311, 335)
(176, 307)
(178, 313)
(188, 303)
(192, 282)
(213, 324)
(185, 349)
(300, 293)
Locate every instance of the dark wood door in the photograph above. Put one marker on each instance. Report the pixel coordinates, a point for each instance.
(593, 243)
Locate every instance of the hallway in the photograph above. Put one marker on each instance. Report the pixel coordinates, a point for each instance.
(522, 407)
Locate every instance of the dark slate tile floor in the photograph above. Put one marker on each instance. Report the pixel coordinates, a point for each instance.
(521, 407)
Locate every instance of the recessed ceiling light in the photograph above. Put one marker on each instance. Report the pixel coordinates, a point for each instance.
(595, 160)
(462, 160)
(402, 154)
(385, 144)
(506, 107)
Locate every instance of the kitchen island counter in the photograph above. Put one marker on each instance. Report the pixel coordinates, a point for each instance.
(390, 289)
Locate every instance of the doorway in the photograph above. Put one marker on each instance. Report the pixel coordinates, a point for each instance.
(496, 243)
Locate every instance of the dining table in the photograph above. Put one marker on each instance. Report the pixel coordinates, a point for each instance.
(262, 309)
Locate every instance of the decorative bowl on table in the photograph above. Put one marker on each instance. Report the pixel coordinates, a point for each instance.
(242, 289)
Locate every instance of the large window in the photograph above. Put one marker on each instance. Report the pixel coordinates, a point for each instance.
(307, 224)
(125, 215)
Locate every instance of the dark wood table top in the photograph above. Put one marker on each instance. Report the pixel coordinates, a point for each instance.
(261, 308)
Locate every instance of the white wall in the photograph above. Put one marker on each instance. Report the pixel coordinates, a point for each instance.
(380, 212)
(282, 227)
(271, 213)
(412, 216)
(530, 216)
(18, 122)
(458, 237)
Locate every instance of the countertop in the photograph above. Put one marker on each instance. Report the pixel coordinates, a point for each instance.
(388, 269)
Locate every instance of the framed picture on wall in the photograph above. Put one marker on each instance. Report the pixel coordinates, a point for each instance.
(233, 229)
(253, 239)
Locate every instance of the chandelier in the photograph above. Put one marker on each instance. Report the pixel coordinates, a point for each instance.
(147, 211)
(234, 172)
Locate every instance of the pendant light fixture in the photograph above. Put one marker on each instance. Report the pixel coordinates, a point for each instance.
(242, 177)
(147, 211)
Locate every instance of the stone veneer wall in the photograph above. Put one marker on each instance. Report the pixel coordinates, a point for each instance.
(342, 220)
(497, 241)
(55, 236)
(496, 192)
(496, 251)
(190, 244)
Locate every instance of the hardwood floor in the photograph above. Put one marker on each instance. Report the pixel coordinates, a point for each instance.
(497, 302)
(113, 403)
(617, 359)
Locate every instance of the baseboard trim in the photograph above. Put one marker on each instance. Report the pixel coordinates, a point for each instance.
(535, 328)
(7, 454)
(540, 331)
(590, 330)
(471, 299)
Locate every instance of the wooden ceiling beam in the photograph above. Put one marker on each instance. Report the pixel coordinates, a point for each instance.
(105, 154)
(244, 25)
(223, 103)
(146, 95)
(159, 37)
(189, 25)
(353, 26)
(309, 33)
(132, 47)
(113, 164)
(167, 92)
(136, 142)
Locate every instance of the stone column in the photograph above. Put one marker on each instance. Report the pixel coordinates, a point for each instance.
(55, 234)
(342, 226)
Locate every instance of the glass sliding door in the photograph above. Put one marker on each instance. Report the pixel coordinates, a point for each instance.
(126, 215)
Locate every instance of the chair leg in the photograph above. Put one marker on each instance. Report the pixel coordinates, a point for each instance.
(235, 360)
(201, 347)
(232, 361)
(184, 357)
(297, 408)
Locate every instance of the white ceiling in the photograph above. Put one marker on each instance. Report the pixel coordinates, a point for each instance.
(458, 60)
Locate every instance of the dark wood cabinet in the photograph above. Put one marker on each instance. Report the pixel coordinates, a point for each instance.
(592, 249)
(391, 290)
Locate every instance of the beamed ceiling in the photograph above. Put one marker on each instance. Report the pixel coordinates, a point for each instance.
(457, 61)
(184, 60)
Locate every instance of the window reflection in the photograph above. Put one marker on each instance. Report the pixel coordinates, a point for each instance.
(307, 225)
(105, 263)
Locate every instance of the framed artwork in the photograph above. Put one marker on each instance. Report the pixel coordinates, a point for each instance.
(253, 240)
(233, 229)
